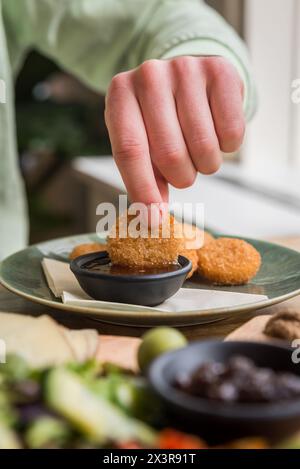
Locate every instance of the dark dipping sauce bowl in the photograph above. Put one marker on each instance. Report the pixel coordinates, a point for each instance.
(219, 422)
(106, 282)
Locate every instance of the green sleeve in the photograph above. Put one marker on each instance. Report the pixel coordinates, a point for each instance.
(95, 39)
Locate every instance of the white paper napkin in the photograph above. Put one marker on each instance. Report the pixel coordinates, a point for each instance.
(64, 284)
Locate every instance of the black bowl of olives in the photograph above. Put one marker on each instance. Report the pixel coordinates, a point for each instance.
(224, 390)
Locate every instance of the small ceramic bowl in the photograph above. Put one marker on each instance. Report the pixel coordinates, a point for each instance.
(216, 421)
(146, 290)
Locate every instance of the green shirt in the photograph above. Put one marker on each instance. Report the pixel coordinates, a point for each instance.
(95, 39)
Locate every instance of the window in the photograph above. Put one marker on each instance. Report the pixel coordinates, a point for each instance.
(270, 158)
(273, 37)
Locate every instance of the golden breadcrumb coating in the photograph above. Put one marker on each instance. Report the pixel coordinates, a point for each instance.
(194, 237)
(208, 238)
(228, 261)
(145, 251)
(191, 255)
(87, 248)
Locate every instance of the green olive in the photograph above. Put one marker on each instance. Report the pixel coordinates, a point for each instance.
(156, 342)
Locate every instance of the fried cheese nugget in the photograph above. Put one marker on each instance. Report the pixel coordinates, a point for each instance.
(144, 251)
(194, 239)
(87, 248)
(191, 255)
(208, 238)
(193, 236)
(228, 261)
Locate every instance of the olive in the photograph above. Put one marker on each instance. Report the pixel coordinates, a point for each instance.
(156, 342)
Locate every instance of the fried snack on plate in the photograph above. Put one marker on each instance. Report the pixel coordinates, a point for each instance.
(208, 238)
(144, 251)
(191, 255)
(87, 248)
(194, 237)
(228, 261)
(194, 240)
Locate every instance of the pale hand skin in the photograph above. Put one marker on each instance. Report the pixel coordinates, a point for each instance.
(169, 119)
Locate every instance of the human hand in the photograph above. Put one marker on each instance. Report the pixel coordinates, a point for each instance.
(169, 119)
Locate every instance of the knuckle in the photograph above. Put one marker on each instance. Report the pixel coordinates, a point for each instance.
(170, 158)
(212, 166)
(129, 151)
(118, 81)
(148, 72)
(169, 155)
(145, 188)
(204, 145)
(220, 67)
(207, 155)
(116, 91)
(233, 134)
(182, 64)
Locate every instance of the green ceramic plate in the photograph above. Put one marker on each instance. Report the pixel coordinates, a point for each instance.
(278, 279)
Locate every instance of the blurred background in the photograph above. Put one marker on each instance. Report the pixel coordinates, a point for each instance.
(58, 119)
(60, 127)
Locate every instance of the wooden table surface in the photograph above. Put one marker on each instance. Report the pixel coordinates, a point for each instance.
(12, 303)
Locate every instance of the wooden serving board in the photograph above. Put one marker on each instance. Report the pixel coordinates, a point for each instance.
(123, 350)
(119, 350)
(251, 330)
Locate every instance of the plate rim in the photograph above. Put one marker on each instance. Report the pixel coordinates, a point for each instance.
(187, 318)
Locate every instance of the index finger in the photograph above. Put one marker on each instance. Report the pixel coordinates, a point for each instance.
(130, 142)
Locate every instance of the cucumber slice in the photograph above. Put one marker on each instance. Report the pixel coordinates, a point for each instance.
(98, 419)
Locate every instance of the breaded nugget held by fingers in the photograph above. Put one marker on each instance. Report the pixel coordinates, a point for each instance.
(145, 251)
(228, 261)
(87, 248)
